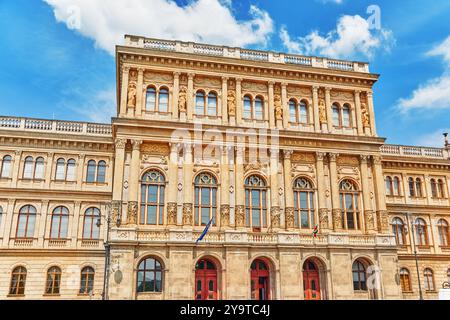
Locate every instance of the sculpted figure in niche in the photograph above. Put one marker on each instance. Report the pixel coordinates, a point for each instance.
(322, 111)
(231, 103)
(278, 107)
(132, 94)
(182, 100)
(365, 115)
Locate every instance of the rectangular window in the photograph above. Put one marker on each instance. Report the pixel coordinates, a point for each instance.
(247, 109)
(336, 117)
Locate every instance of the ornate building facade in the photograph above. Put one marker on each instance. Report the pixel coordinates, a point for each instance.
(278, 153)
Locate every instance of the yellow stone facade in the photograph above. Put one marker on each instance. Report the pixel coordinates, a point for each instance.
(254, 133)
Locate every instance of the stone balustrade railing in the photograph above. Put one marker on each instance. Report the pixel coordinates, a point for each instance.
(55, 126)
(239, 53)
(412, 151)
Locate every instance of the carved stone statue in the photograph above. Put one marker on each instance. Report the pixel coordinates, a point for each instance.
(322, 112)
(171, 213)
(182, 102)
(240, 216)
(187, 214)
(278, 107)
(224, 215)
(132, 212)
(131, 95)
(365, 115)
(231, 98)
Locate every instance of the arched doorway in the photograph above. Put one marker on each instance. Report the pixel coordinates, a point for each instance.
(311, 280)
(260, 274)
(205, 280)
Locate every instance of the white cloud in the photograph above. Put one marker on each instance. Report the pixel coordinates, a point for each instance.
(433, 139)
(210, 21)
(353, 37)
(433, 94)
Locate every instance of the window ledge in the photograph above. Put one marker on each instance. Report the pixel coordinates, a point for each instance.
(31, 180)
(95, 183)
(408, 292)
(64, 181)
(15, 295)
(51, 295)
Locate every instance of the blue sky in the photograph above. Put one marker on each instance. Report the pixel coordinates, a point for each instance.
(56, 56)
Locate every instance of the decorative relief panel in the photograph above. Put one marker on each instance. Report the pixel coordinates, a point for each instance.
(299, 92)
(342, 96)
(303, 157)
(158, 77)
(254, 87)
(155, 149)
(348, 171)
(347, 160)
(207, 82)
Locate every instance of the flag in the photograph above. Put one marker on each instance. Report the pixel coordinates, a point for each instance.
(315, 231)
(204, 232)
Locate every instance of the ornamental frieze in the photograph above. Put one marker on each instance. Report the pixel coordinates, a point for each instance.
(299, 92)
(303, 157)
(150, 76)
(342, 96)
(347, 160)
(155, 149)
(254, 86)
(207, 82)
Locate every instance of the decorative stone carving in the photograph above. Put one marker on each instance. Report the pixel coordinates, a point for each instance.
(115, 213)
(131, 95)
(155, 148)
(277, 104)
(289, 216)
(172, 213)
(231, 98)
(383, 221)
(240, 216)
(187, 214)
(182, 101)
(323, 218)
(224, 215)
(322, 112)
(365, 115)
(275, 217)
(120, 143)
(303, 157)
(369, 219)
(132, 212)
(337, 219)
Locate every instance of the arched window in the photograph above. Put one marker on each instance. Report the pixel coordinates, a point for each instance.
(304, 203)
(405, 280)
(398, 229)
(346, 116)
(349, 198)
(205, 199)
(212, 104)
(443, 232)
(389, 186)
(150, 104)
(101, 172)
(149, 276)
(441, 188)
(91, 168)
(28, 168)
(359, 276)
(421, 232)
(60, 169)
(434, 188)
(293, 114)
(60, 221)
(429, 280)
(396, 186)
(6, 167)
(255, 202)
(26, 222)
(163, 100)
(87, 280)
(336, 115)
(200, 103)
(247, 108)
(303, 111)
(39, 168)
(91, 225)
(419, 187)
(18, 279)
(259, 109)
(71, 170)
(298, 113)
(53, 281)
(412, 189)
(152, 198)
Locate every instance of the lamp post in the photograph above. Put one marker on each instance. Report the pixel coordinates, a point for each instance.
(415, 254)
(107, 252)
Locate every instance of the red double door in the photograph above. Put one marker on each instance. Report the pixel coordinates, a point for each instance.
(205, 281)
(260, 280)
(311, 281)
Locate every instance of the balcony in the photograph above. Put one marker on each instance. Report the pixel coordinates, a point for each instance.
(245, 54)
(417, 152)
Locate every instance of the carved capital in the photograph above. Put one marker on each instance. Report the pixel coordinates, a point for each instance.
(120, 143)
(191, 76)
(315, 89)
(136, 144)
(333, 157)
(363, 158)
(287, 154)
(376, 160)
(176, 74)
(320, 156)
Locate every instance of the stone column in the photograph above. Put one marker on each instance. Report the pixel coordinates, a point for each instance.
(119, 164)
(76, 223)
(48, 169)
(41, 223)
(133, 189)
(239, 110)
(368, 212)
(323, 209)
(274, 197)
(271, 105)
(373, 127)
(224, 100)
(172, 187)
(328, 109)
(224, 190)
(139, 92)
(188, 186)
(176, 92)
(239, 211)
(15, 172)
(124, 91)
(359, 124)
(80, 169)
(8, 221)
(380, 195)
(315, 91)
(336, 211)
(190, 96)
(284, 102)
(288, 190)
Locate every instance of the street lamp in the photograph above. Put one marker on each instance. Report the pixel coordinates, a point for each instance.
(413, 224)
(107, 250)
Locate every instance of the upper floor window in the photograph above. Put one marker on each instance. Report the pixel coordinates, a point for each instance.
(389, 186)
(398, 229)
(33, 169)
(392, 186)
(96, 172)
(303, 203)
(91, 224)
(87, 280)
(415, 187)
(18, 279)
(419, 187)
(65, 171)
(405, 280)
(396, 187)
(6, 167)
(205, 199)
(153, 96)
(421, 232)
(359, 276)
(341, 115)
(152, 198)
(53, 281)
(206, 104)
(437, 188)
(349, 199)
(149, 276)
(428, 279)
(60, 222)
(150, 104)
(443, 232)
(253, 108)
(255, 202)
(26, 222)
(298, 112)
(163, 100)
